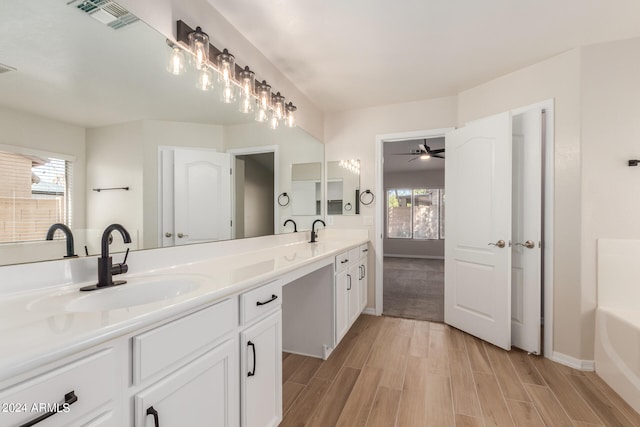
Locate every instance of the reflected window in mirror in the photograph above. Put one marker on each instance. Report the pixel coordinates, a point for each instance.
(34, 193)
(343, 187)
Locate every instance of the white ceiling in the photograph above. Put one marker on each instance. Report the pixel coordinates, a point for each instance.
(360, 53)
(397, 157)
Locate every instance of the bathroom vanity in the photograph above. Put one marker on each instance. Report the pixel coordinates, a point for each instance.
(195, 337)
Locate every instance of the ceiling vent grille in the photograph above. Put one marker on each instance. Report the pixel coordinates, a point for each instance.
(6, 68)
(106, 11)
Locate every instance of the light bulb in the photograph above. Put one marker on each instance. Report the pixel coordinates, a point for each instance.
(247, 82)
(175, 65)
(228, 93)
(425, 156)
(199, 46)
(290, 115)
(205, 79)
(261, 115)
(274, 121)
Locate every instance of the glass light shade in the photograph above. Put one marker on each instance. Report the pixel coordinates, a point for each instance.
(290, 118)
(278, 105)
(263, 93)
(199, 46)
(175, 64)
(228, 93)
(205, 79)
(274, 121)
(226, 67)
(425, 156)
(247, 82)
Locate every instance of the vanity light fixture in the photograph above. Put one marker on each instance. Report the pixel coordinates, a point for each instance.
(199, 46)
(247, 79)
(352, 166)
(234, 81)
(290, 118)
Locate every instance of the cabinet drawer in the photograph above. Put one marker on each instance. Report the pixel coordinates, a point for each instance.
(169, 344)
(342, 261)
(262, 300)
(88, 383)
(363, 250)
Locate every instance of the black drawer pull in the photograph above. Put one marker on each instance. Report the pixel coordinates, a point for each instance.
(273, 298)
(252, 372)
(344, 261)
(156, 418)
(69, 399)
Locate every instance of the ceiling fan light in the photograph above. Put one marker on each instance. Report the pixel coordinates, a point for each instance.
(425, 156)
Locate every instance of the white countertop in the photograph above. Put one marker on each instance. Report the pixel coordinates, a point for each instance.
(37, 328)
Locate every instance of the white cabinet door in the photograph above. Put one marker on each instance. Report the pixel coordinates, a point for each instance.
(353, 287)
(261, 373)
(203, 392)
(362, 281)
(342, 304)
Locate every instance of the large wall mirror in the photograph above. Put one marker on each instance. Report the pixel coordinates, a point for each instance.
(87, 107)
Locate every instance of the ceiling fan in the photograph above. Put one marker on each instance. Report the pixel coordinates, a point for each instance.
(423, 152)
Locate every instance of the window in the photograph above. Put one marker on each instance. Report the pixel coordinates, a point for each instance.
(415, 214)
(34, 193)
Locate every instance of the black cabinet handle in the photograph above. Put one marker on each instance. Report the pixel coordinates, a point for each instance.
(156, 418)
(273, 298)
(69, 399)
(365, 250)
(344, 261)
(349, 277)
(253, 347)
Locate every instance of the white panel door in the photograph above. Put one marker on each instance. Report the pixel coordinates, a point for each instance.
(478, 229)
(202, 199)
(526, 231)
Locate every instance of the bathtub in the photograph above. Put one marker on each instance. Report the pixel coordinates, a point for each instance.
(617, 343)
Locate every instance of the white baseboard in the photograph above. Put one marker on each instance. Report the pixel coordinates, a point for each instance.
(572, 362)
(414, 256)
(369, 310)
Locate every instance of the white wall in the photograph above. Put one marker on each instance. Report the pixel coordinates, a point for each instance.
(352, 135)
(163, 14)
(610, 136)
(114, 159)
(413, 179)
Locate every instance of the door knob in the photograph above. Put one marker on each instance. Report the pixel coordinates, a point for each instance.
(528, 244)
(167, 234)
(499, 243)
(180, 235)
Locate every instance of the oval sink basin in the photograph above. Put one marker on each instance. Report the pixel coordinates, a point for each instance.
(135, 292)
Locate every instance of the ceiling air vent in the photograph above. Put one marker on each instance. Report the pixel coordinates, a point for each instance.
(106, 11)
(6, 68)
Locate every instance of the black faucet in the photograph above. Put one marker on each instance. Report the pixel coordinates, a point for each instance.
(314, 234)
(68, 235)
(106, 269)
(295, 226)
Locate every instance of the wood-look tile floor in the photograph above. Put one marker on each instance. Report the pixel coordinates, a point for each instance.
(398, 372)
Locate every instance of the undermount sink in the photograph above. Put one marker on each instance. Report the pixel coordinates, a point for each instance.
(137, 291)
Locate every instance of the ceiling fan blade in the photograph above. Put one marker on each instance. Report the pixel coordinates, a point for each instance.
(439, 156)
(439, 150)
(411, 160)
(403, 154)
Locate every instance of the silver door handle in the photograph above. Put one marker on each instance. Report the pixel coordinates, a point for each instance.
(180, 235)
(167, 234)
(499, 243)
(528, 244)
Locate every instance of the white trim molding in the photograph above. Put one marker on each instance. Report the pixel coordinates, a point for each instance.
(572, 362)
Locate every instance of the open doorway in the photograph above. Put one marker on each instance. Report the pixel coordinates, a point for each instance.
(413, 239)
(254, 194)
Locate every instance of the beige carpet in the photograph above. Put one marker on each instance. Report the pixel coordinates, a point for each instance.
(414, 288)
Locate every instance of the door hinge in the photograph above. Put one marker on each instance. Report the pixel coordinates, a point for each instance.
(231, 223)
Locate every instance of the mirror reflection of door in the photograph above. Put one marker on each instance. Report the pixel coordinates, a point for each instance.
(254, 191)
(195, 195)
